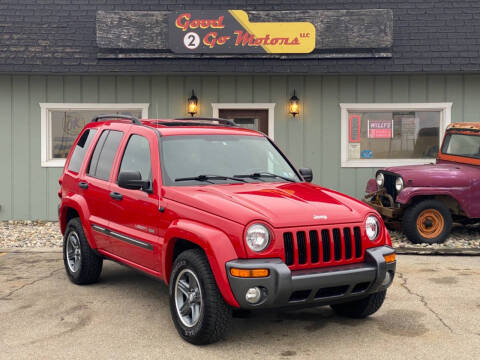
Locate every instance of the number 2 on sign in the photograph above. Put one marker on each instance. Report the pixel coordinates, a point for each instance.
(191, 40)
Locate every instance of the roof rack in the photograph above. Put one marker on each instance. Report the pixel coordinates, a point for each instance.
(196, 120)
(133, 119)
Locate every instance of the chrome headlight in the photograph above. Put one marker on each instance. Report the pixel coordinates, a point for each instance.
(257, 237)
(399, 183)
(380, 180)
(372, 227)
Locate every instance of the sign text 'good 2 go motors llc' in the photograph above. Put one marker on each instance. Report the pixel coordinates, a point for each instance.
(231, 32)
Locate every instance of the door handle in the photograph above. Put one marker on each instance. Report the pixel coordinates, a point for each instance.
(83, 185)
(116, 195)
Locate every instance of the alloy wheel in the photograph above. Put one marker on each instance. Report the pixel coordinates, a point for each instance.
(188, 298)
(73, 252)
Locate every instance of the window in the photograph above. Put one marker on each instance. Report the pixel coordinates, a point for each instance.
(61, 124)
(137, 157)
(224, 155)
(252, 117)
(378, 135)
(80, 150)
(104, 154)
(462, 145)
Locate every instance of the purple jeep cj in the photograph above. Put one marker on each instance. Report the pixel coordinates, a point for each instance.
(428, 198)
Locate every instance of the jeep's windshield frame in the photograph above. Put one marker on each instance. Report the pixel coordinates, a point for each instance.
(461, 146)
(218, 159)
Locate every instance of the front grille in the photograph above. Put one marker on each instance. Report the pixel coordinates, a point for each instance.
(302, 247)
(390, 185)
(323, 246)
(288, 245)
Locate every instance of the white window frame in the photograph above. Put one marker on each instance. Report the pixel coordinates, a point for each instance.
(216, 107)
(445, 119)
(46, 129)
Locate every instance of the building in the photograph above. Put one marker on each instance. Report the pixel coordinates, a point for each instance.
(383, 80)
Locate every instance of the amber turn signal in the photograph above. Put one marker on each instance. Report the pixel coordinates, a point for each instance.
(249, 273)
(389, 258)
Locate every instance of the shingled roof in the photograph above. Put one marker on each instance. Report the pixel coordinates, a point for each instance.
(59, 36)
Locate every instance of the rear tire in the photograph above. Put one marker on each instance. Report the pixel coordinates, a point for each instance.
(204, 317)
(360, 309)
(83, 266)
(428, 221)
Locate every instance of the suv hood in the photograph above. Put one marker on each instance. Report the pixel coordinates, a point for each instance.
(279, 204)
(443, 174)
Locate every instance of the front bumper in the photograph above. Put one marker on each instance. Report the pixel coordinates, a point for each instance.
(387, 212)
(374, 199)
(336, 284)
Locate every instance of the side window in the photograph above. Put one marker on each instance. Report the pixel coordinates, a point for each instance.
(92, 166)
(80, 150)
(137, 157)
(104, 154)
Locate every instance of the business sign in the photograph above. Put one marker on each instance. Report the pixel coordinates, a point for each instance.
(380, 129)
(231, 32)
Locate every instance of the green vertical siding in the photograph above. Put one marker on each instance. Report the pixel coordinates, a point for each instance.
(38, 175)
(6, 144)
(28, 191)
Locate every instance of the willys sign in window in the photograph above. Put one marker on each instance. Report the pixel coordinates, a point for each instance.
(231, 32)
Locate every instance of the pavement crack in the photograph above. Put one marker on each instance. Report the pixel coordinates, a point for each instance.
(422, 300)
(29, 284)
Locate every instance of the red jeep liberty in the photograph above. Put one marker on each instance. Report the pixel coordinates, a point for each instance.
(220, 215)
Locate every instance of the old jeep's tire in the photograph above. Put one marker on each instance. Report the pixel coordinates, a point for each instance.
(361, 308)
(198, 310)
(83, 266)
(428, 221)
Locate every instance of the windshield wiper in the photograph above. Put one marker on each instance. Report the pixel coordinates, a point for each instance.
(264, 174)
(206, 178)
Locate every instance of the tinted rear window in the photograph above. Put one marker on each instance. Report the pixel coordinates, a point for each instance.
(80, 150)
(104, 154)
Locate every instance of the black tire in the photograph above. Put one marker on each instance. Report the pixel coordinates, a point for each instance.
(89, 265)
(414, 234)
(361, 308)
(215, 315)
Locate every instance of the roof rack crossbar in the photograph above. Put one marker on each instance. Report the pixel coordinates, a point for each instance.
(218, 120)
(133, 119)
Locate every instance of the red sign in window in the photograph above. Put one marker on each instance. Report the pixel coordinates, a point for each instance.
(380, 129)
(354, 128)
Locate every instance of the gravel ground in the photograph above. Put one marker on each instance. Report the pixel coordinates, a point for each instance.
(36, 234)
(461, 237)
(30, 234)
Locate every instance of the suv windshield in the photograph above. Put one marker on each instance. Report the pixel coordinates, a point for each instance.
(216, 159)
(462, 145)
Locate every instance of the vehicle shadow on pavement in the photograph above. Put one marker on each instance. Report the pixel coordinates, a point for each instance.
(271, 325)
(310, 319)
(122, 277)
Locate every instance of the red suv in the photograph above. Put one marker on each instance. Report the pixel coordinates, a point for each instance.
(220, 215)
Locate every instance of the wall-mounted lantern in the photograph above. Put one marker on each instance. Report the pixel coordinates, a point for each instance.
(192, 104)
(294, 105)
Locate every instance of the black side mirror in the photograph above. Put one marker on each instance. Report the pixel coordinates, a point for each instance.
(307, 174)
(133, 180)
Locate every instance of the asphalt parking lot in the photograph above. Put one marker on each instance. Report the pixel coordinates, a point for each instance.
(432, 311)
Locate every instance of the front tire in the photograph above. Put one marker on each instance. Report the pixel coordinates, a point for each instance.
(83, 266)
(198, 310)
(360, 309)
(428, 221)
